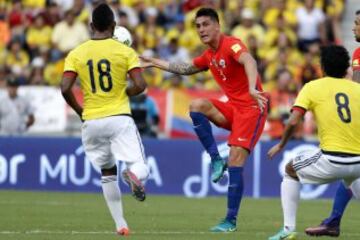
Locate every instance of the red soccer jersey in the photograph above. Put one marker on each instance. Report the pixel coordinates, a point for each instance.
(227, 71)
(356, 60)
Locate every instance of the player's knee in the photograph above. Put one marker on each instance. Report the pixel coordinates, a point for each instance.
(199, 105)
(238, 156)
(109, 171)
(236, 162)
(290, 171)
(140, 169)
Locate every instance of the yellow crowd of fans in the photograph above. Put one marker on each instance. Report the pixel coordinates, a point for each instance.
(36, 35)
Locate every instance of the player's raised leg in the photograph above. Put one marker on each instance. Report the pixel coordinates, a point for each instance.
(201, 110)
(290, 195)
(126, 146)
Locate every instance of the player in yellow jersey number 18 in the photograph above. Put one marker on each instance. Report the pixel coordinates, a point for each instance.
(108, 130)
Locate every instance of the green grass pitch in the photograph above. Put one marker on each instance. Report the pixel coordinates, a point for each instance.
(75, 216)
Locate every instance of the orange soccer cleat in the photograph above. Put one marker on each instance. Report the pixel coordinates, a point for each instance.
(123, 232)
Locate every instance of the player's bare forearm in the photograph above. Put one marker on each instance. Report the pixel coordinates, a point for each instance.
(250, 68)
(183, 68)
(356, 76)
(290, 127)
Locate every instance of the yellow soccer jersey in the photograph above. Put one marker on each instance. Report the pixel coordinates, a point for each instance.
(102, 66)
(335, 104)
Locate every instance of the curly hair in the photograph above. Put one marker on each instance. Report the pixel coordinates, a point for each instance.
(335, 61)
(102, 17)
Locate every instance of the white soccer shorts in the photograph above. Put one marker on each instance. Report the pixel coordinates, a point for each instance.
(111, 139)
(315, 167)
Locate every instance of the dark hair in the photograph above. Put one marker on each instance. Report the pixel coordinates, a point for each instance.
(12, 81)
(208, 12)
(357, 12)
(102, 17)
(335, 61)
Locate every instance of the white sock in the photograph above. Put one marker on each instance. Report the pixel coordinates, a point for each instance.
(112, 196)
(290, 194)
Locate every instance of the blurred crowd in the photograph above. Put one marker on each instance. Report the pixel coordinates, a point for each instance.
(284, 36)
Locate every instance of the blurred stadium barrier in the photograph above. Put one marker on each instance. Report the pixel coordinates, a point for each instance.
(178, 167)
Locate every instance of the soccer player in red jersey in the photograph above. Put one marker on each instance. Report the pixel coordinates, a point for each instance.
(331, 225)
(244, 114)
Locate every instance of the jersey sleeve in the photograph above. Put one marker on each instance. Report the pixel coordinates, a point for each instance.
(236, 48)
(69, 65)
(356, 60)
(133, 60)
(201, 61)
(304, 98)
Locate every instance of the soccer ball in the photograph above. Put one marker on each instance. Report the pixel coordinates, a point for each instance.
(122, 35)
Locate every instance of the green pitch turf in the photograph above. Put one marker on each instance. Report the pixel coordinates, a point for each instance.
(73, 216)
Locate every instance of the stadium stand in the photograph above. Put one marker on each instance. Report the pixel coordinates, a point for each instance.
(35, 36)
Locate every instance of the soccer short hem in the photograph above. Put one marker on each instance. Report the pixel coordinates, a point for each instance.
(313, 167)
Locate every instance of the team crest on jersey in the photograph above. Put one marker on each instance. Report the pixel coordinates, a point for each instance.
(222, 63)
(236, 47)
(356, 63)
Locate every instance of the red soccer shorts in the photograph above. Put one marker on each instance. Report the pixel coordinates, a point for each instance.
(244, 123)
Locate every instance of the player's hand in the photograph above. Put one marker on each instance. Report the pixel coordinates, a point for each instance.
(274, 150)
(146, 62)
(259, 97)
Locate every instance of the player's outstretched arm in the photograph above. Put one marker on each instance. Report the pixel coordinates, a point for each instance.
(67, 82)
(294, 120)
(137, 82)
(181, 68)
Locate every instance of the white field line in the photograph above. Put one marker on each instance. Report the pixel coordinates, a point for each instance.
(39, 232)
(47, 203)
(35, 232)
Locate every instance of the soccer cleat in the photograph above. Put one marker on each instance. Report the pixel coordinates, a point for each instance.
(123, 231)
(323, 230)
(218, 167)
(284, 235)
(224, 226)
(137, 189)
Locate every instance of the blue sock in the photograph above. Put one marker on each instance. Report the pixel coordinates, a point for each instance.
(203, 130)
(235, 192)
(342, 198)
